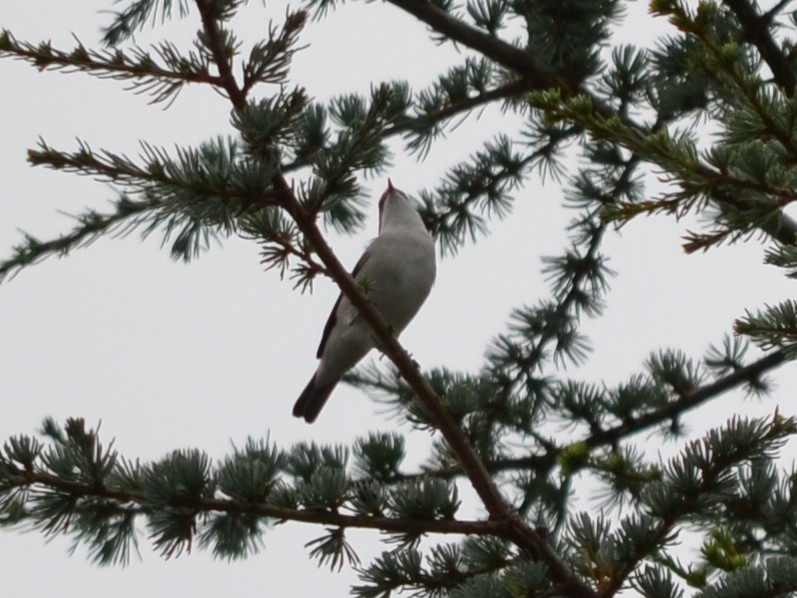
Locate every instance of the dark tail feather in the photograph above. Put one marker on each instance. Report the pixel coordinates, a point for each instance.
(312, 400)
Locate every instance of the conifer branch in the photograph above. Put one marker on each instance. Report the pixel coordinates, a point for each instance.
(162, 81)
(516, 528)
(499, 510)
(501, 92)
(685, 402)
(521, 62)
(725, 450)
(757, 31)
(197, 192)
(488, 45)
(504, 53)
(688, 400)
(90, 226)
(139, 503)
(136, 15)
(221, 57)
(541, 464)
(486, 419)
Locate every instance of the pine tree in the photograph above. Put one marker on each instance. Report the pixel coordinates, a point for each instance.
(521, 432)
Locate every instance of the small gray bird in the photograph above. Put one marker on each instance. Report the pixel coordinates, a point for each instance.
(396, 272)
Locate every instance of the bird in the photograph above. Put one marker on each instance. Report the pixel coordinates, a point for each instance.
(396, 272)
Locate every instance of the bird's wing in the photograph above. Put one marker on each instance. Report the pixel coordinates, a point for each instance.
(333, 317)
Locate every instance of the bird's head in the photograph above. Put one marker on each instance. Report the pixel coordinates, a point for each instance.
(396, 210)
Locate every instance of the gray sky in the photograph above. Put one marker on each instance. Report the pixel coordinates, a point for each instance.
(170, 356)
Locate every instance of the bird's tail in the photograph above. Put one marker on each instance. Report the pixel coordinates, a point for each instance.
(312, 400)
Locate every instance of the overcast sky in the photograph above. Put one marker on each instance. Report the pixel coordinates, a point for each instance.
(169, 355)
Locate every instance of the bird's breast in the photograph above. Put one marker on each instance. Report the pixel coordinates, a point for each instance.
(399, 275)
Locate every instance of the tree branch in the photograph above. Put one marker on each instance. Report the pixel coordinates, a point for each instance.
(499, 510)
(202, 504)
(694, 500)
(408, 125)
(214, 41)
(687, 401)
(504, 91)
(757, 31)
(147, 75)
(542, 463)
(522, 63)
(90, 226)
(676, 408)
(490, 46)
